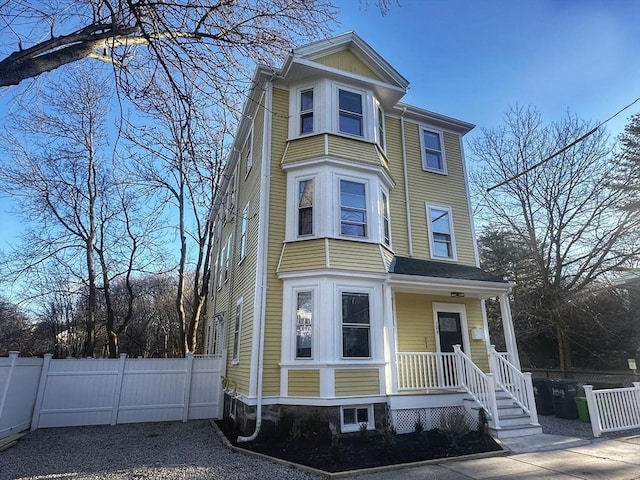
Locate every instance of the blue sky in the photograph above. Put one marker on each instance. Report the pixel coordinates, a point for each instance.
(473, 59)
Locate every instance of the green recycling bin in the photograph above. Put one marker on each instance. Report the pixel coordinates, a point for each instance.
(583, 409)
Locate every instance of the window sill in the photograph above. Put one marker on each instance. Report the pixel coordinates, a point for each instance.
(437, 172)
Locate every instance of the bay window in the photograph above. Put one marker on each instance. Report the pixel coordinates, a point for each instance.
(353, 209)
(355, 325)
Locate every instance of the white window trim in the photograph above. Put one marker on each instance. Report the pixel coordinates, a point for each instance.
(345, 428)
(295, 111)
(381, 195)
(314, 208)
(314, 295)
(338, 206)
(452, 308)
(380, 140)
(235, 360)
(440, 133)
(244, 227)
(248, 150)
(357, 290)
(454, 250)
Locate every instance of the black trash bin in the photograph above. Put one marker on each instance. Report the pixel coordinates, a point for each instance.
(542, 394)
(564, 394)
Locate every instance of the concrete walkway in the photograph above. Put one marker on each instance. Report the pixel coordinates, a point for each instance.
(542, 457)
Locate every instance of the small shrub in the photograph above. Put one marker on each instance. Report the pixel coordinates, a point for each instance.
(454, 426)
(335, 449)
(388, 434)
(363, 431)
(483, 423)
(419, 430)
(295, 433)
(313, 428)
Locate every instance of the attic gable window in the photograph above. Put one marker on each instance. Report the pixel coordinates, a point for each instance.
(433, 157)
(350, 113)
(306, 111)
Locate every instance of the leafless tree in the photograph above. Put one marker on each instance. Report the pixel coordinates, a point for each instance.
(179, 159)
(564, 212)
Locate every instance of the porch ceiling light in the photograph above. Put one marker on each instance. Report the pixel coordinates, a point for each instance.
(457, 294)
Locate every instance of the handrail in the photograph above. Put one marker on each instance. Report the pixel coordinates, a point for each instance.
(516, 384)
(481, 386)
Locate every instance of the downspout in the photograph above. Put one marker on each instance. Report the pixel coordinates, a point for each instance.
(406, 181)
(263, 235)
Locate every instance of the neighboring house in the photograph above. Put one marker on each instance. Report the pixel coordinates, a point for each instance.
(346, 267)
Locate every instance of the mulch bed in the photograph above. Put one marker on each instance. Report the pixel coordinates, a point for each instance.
(355, 452)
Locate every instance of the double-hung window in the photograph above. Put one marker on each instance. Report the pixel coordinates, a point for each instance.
(433, 158)
(304, 323)
(306, 111)
(356, 325)
(384, 212)
(227, 259)
(441, 232)
(236, 332)
(381, 128)
(350, 112)
(249, 156)
(353, 209)
(305, 207)
(243, 232)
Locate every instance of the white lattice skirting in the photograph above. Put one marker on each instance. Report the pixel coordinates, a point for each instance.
(405, 420)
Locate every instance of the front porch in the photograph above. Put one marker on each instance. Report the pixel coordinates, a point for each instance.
(431, 385)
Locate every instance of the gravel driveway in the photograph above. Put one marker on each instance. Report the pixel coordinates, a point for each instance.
(170, 450)
(167, 451)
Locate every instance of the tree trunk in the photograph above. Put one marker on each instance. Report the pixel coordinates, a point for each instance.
(564, 349)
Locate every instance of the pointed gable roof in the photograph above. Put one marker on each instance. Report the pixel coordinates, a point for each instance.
(349, 58)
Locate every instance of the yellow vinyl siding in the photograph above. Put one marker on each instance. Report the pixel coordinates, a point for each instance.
(357, 382)
(415, 324)
(276, 221)
(304, 383)
(303, 255)
(354, 149)
(304, 148)
(348, 62)
(414, 319)
(348, 255)
(433, 188)
(397, 210)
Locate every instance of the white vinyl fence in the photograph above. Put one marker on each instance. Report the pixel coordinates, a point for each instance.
(19, 379)
(91, 391)
(614, 409)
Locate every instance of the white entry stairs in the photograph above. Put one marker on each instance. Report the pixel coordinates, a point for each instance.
(514, 422)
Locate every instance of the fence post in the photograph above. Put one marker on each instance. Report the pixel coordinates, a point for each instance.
(44, 374)
(491, 399)
(594, 412)
(13, 356)
(531, 399)
(117, 390)
(187, 386)
(459, 366)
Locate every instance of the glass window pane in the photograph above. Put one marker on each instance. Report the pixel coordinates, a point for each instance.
(304, 318)
(440, 221)
(353, 230)
(305, 193)
(431, 140)
(355, 342)
(350, 101)
(306, 100)
(349, 416)
(351, 124)
(306, 123)
(434, 160)
(305, 221)
(355, 308)
(363, 415)
(352, 216)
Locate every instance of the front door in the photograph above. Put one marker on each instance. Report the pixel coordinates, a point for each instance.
(449, 331)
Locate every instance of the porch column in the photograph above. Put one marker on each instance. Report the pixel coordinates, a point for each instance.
(391, 376)
(509, 333)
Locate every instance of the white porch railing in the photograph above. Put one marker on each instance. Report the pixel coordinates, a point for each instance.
(481, 386)
(426, 370)
(613, 409)
(517, 384)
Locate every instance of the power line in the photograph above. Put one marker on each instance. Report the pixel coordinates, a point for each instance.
(563, 149)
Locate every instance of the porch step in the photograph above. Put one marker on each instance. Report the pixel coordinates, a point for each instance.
(516, 431)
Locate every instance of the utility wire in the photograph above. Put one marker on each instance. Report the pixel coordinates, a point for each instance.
(563, 149)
